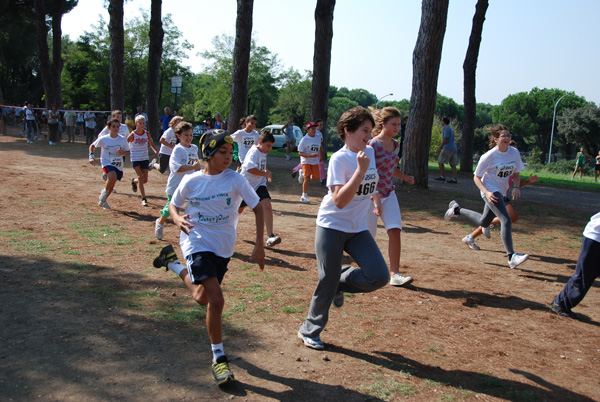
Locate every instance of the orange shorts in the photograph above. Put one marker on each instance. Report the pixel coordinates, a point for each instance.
(311, 172)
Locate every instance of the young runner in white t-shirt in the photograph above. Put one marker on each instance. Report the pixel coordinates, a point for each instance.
(309, 150)
(184, 160)
(342, 226)
(139, 139)
(167, 142)
(255, 171)
(492, 177)
(123, 129)
(208, 234)
(113, 148)
(246, 137)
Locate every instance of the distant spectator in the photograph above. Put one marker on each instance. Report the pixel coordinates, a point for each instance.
(53, 119)
(70, 117)
(30, 124)
(448, 152)
(165, 119)
(90, 125)
(579, 163)
(219, 123)
(139, 111)
(79, 123)
(129, 122)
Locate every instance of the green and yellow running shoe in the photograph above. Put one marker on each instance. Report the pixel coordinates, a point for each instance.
(221, 372)
(167, 255)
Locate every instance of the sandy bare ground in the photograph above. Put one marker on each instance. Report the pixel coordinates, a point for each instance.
(85, 317)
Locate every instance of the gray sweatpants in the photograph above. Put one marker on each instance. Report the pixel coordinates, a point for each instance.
(330, 245)
(490, 211)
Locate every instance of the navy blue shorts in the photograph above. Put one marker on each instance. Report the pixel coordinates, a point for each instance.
(111, 168)
(142, 164)
(262, 193)
(204, 265)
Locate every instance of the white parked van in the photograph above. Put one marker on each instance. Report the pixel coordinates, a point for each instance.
(275, 129)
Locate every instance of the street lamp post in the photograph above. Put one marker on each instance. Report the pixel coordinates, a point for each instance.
(384, 96)
(554, 119)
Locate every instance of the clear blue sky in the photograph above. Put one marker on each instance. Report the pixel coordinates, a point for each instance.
(526, 44)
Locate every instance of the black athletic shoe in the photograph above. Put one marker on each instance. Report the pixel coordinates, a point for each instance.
(167, 255)
(294, 174)
(559, 310)
(440, 178)
(221, 372)
(133, 185)
(453, 181)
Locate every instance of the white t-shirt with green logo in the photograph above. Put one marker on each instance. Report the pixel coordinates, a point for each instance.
(212, 204)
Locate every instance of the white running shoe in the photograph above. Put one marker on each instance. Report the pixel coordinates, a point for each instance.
(273, 240)
(158, 229)
(450, 212)
(144, 202)
(102, 197)
(300, 177)
(400, 280)
(104, 204)
(517, 259)
(304, 200)
(486, 231)
(470, 241)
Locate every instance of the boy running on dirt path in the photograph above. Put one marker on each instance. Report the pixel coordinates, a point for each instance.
(208, 234)
(342, 226)
(184, 160)
(113, 149)
(255, 171)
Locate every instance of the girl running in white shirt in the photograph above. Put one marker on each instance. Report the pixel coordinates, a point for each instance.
(492, 177)
(138, 144)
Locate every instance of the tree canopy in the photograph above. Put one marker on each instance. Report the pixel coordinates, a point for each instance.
(529, 115)
(581, 127)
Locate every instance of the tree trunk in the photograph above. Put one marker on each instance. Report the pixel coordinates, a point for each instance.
(154, 55)
(117, 52)
(322, 65)
(57, 62)
(41, 31)
(469, 68)
(241, 59)
(426, 65)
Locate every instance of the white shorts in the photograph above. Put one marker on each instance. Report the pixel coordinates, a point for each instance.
(391, 217)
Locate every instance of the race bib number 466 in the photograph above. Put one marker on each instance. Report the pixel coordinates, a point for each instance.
(368, 185)
(504, 171)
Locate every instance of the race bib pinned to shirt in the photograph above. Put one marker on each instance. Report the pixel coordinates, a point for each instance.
(506, 170)
(369, 184)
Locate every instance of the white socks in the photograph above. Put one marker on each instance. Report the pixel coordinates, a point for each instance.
(217, 351)
(176, 267)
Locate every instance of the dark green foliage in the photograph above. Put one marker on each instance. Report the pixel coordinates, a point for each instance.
(564, 166)
(529, 115)
(85, 82)
(581, 127)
